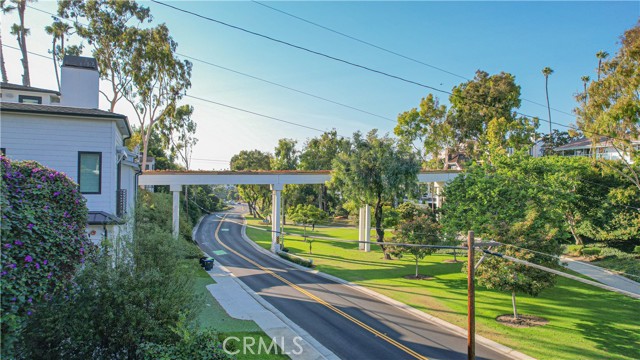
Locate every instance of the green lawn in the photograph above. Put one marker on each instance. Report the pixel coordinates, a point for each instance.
(214, 316)
(584, 322)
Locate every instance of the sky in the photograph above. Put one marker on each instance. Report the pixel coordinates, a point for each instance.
(458, 37)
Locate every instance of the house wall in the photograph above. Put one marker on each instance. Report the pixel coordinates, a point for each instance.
(14, 96)
(55, 142)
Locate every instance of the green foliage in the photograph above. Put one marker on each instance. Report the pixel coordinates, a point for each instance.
(376, 170)
(636, 250)
(157, 209)
(44, 217)
(420, 228)
(258, 197)
(591, 251)
(286, 155)
(574, 250)
(306, 215)
(192, 344)
(132, 293)
(296, 259)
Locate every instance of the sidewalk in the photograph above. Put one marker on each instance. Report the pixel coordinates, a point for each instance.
(603, 275)
(241, 302)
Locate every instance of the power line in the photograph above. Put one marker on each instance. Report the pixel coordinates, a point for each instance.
(302, 48)
(406, 57)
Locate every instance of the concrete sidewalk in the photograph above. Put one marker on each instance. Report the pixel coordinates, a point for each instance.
(241, 302)
(603, 275)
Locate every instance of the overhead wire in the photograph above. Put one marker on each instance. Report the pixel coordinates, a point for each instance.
(406, 57)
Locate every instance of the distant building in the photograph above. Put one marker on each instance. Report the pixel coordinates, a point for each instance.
(599, 150)
(66, 131)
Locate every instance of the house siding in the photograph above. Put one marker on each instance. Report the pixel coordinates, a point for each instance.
(55, 142)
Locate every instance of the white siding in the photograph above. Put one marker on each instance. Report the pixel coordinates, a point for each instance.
(55, 143)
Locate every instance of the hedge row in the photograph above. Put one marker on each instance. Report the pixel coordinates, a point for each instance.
(296, 259)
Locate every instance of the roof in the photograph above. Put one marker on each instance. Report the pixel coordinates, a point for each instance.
(80, 62)
(9, 86)
(583, 142)
(102, 218)
(64, 111)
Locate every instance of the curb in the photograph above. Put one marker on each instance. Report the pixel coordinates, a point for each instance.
(324, 352)
(399, 305)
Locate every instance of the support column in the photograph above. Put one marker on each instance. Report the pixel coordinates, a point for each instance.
(276, 199)
(176, 190)
(364, 228)
(439, 188)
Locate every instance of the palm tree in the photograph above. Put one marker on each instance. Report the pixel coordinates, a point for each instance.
(6, 9)
(585, 80)
(601, 55)
(546, 72)
(58, 30)
(21, 33)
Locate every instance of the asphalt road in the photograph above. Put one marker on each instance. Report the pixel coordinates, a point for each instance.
(346, 321)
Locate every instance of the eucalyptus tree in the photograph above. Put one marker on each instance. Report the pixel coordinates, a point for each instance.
(546, 72)
(6, 9)
(375, 171)
(21, 33)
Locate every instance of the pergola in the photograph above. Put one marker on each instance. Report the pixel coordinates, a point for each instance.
(276, 180)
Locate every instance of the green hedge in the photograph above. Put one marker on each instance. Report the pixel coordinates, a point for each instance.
(44, 218)
(296, 259)
(591, 251)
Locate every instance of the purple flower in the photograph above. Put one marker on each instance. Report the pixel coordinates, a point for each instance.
(3, 273)
(29, 313)
(7, 246)
(30, 300)
(45, 262)
(66, 214)
(37, 266)
(28, 258)
(13, 299)
(30, 226)
(56, 193)
(82, 260)
(18, 242)
(81, 251)
(49, 275)
(46, 207)
(12, 266)
(39, 186)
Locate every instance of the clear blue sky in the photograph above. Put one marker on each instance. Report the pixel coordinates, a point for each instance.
(461, 37)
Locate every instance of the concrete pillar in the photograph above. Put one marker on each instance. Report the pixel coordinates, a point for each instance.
(439, 188)
(364, 228)
(176, 190)
(276, 208)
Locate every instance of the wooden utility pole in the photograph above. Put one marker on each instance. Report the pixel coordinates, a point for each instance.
(471, 301)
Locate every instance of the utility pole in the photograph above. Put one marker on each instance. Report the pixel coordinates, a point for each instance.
(471, 301)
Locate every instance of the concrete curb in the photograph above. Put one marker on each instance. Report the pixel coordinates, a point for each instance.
(323, 352)
(409, 309)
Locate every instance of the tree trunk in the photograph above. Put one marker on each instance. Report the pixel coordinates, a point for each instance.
(26, 80)
(4, 69)
(55, 63)
(599, 67)
(455, 255)
(572, 223)
(546, 88)
(513, 302)
(416, 267)
(379, 229)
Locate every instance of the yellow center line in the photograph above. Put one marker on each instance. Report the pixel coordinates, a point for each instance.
(319, 300)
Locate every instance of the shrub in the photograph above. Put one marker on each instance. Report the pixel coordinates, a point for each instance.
(43, 239)
(296, 259)
(575, 250)
(118, 304)
(636, 250)
(591, 251)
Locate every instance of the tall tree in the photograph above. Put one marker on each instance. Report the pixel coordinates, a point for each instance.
(254, 195)
(59, 31)
(546, 72)
(21, 32)
(611, 111)
(112, 29)
(601, 55)
(159, 78)
(375, 171)
(286, 155)
(585, 81)
(6, 8)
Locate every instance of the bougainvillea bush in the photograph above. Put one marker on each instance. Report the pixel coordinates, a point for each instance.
(43, 239)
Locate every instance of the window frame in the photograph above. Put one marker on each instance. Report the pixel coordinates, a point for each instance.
(80, 153)
(29, 97)
(3, 151)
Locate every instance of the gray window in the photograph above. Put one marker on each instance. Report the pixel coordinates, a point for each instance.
(90, 172)
(26, 99)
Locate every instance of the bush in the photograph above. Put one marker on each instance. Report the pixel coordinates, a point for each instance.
(591, 251)
(120, 303)
(574, 250)
(296, 259)
(636, 250)
(44, 218)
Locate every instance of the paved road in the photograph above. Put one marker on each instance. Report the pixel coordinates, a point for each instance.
(346, 321)
(604, 276)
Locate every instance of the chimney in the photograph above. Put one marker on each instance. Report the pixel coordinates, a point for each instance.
(80, 82)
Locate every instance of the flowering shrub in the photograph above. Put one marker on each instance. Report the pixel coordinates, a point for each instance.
(44, 217)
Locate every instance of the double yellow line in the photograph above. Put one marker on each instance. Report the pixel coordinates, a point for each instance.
(319, 300)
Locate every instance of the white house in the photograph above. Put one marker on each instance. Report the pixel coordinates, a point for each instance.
(600, 150)
(66, 131)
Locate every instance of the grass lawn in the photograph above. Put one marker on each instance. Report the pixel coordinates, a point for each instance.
(584, 322)
(214, 316)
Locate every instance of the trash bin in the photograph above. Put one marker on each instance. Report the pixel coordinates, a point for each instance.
(202, 259)
(208, 264)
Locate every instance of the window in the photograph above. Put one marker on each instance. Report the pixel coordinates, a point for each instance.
(26, 99)
(90, 172)
(3, 151)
